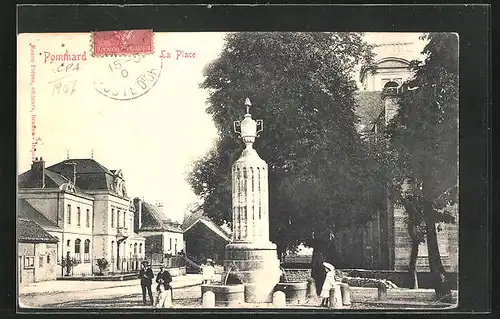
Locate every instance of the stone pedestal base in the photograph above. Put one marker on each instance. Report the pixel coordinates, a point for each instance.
(256, 266)
(227, 295)
(295, 292)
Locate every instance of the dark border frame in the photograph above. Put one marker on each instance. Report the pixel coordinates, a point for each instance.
(472, 22)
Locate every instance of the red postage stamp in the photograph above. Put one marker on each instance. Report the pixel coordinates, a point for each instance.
(122, 42)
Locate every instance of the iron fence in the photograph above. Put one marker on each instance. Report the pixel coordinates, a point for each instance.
(115, 266)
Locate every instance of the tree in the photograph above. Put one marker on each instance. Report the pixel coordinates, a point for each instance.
(424, 135)
(401, 191)
(301, 85)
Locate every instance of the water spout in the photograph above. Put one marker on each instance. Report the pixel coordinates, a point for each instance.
(284, 274)
(233, 266)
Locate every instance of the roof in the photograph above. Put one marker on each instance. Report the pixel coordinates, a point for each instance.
(52, 180)
(152, 219)
(29, 231)
(90, 175)
(198, 217)
(369, 106)
(83, 166)
(192, 218)
(26, 211)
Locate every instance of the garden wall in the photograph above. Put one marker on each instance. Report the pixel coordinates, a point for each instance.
(400, 278)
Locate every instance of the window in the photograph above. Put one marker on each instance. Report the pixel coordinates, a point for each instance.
(78, 216)
(69, 215)
(68, 243)
(140, 248)
(40, 261)
(29, 262)
(175, 248)
(112, 218)
(78, 256)
(87, 219)
(118, 219)
(124, 219)
(170, 243)
(86, 251)
(48, 259)
(135, 249)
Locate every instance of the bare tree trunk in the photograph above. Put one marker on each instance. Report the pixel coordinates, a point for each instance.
(415, 242)
(318, 272)
(438, 272)
(412, 267)
(332, 255)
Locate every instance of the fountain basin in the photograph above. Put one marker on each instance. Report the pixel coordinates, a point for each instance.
(229, 295)
(295, 292)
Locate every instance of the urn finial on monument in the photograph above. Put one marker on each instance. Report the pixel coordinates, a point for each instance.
(249, 128)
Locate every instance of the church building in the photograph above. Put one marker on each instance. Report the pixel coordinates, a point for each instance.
(384, 242)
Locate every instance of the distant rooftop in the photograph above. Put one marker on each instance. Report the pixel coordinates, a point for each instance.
(90, 175)
(29, 231)
(26, 211)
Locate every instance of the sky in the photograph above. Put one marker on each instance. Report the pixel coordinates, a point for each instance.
(152, 138)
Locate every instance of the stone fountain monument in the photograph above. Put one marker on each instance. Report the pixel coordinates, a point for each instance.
(250, 254)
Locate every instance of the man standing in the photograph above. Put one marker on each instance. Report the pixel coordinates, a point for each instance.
(146, 275)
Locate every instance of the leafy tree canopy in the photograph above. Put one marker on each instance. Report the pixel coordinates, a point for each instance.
(301, 85)
(424, 133)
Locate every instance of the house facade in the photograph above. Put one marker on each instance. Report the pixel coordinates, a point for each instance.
(36, 253)
(204, 238)
(164, 237)
(88, 211)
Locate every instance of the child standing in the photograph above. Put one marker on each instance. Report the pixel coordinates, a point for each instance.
(328, 284)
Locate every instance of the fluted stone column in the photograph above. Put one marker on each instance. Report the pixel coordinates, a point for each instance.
(250, 193)
(251, 255)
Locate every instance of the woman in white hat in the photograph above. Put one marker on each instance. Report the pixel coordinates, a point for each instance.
(328, 284)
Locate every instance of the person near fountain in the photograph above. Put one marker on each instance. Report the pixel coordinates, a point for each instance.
(208, 272)
(146, 275)
(328, 284)
(164, 289)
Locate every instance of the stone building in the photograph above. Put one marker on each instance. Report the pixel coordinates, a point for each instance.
(164, 238)
(36, 252)
(384, 243)
(85, 206)
(204, 238)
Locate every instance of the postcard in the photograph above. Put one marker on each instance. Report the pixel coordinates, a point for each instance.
(235, 170)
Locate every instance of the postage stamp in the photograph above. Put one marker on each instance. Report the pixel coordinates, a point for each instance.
(122, 42)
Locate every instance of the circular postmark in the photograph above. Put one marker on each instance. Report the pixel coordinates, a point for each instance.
(127, 77)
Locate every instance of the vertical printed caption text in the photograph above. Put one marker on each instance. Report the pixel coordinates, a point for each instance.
(34, 138)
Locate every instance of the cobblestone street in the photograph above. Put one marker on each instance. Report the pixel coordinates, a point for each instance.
(186, 293)
(118, 296)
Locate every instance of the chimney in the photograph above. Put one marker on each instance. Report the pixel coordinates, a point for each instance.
(138, 213)
(69, 171)
(38, 171)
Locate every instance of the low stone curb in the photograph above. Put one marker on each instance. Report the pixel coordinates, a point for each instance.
(175, 285)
